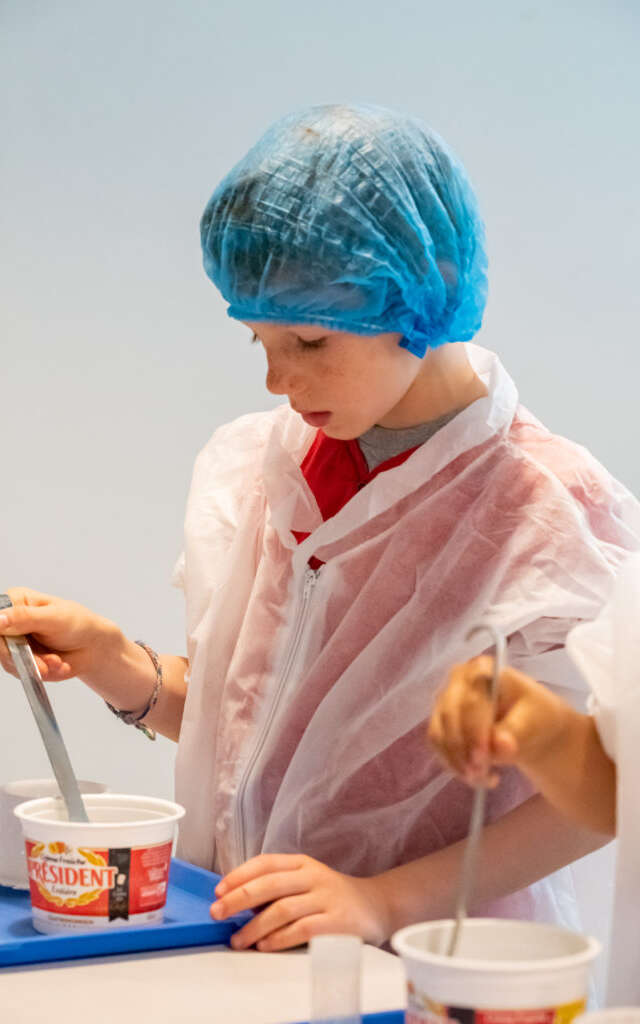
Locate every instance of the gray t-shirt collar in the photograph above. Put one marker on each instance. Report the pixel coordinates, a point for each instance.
(381, 443)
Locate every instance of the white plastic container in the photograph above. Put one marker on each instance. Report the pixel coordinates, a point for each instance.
(505, 972)
(110, 872)
(13, 864)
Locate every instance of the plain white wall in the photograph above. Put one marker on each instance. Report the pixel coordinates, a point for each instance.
(118, 360)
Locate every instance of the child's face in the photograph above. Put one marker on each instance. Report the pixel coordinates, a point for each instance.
(344, 383)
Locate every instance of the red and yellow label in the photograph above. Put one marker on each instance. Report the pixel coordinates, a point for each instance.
(83, 881)
(422, 1010)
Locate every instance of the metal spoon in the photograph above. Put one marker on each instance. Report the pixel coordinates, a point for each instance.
(27, 669)
(479, 800)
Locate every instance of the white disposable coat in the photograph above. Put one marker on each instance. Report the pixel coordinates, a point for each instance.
(608, 653)
(304, 722)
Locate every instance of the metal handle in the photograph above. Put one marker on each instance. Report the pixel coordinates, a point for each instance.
(25, 663)
(479, 800)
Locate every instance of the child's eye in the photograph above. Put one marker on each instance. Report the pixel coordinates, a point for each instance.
(310, 345)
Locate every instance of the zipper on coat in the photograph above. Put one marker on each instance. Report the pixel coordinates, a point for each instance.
(288, 664)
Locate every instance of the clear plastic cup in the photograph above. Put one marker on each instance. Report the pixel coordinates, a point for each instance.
(335, 979)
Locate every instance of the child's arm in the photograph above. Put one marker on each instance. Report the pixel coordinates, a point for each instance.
(70, 640)
(555, 746)
(296, 897)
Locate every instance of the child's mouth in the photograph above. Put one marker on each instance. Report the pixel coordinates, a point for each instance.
(316, 419)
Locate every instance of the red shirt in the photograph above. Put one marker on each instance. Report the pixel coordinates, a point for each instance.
(336, 470)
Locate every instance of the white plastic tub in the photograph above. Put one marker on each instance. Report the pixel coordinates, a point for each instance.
(505, 972)
(13, 866)
(112, 871)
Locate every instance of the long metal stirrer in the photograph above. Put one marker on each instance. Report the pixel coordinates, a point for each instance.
(27, 669)
(479, 800)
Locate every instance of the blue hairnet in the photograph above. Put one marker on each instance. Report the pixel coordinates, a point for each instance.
(354, 218)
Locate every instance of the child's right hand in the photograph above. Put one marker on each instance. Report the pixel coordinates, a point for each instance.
(471, 737)
(66, 638)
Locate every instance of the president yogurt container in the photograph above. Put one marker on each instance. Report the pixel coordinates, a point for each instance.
(109, 872)
(503, 972)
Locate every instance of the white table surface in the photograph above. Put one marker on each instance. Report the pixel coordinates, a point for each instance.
(212, 984)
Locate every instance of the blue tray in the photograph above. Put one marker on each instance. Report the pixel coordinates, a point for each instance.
(384, 1017)
(187, 922)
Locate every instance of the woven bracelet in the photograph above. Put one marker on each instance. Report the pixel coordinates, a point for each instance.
(130, 717)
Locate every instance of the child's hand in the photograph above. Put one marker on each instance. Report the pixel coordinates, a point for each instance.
(470, 739)
(299, 897)
(65, 637)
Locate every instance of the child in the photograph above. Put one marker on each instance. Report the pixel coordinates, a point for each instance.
(585, 765)
(339, 548)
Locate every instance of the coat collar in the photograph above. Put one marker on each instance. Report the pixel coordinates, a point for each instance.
(292, 504)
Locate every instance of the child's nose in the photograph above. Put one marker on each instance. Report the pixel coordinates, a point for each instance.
(281, 379)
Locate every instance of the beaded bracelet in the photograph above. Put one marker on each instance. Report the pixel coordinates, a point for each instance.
(129, 717)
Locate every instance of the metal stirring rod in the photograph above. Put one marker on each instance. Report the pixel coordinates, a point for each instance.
(479, 800)
(27, 669)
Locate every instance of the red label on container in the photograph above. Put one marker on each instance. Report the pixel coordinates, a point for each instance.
(423, 1010)
(149, 877)
(85, 881)
(515, 1016)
